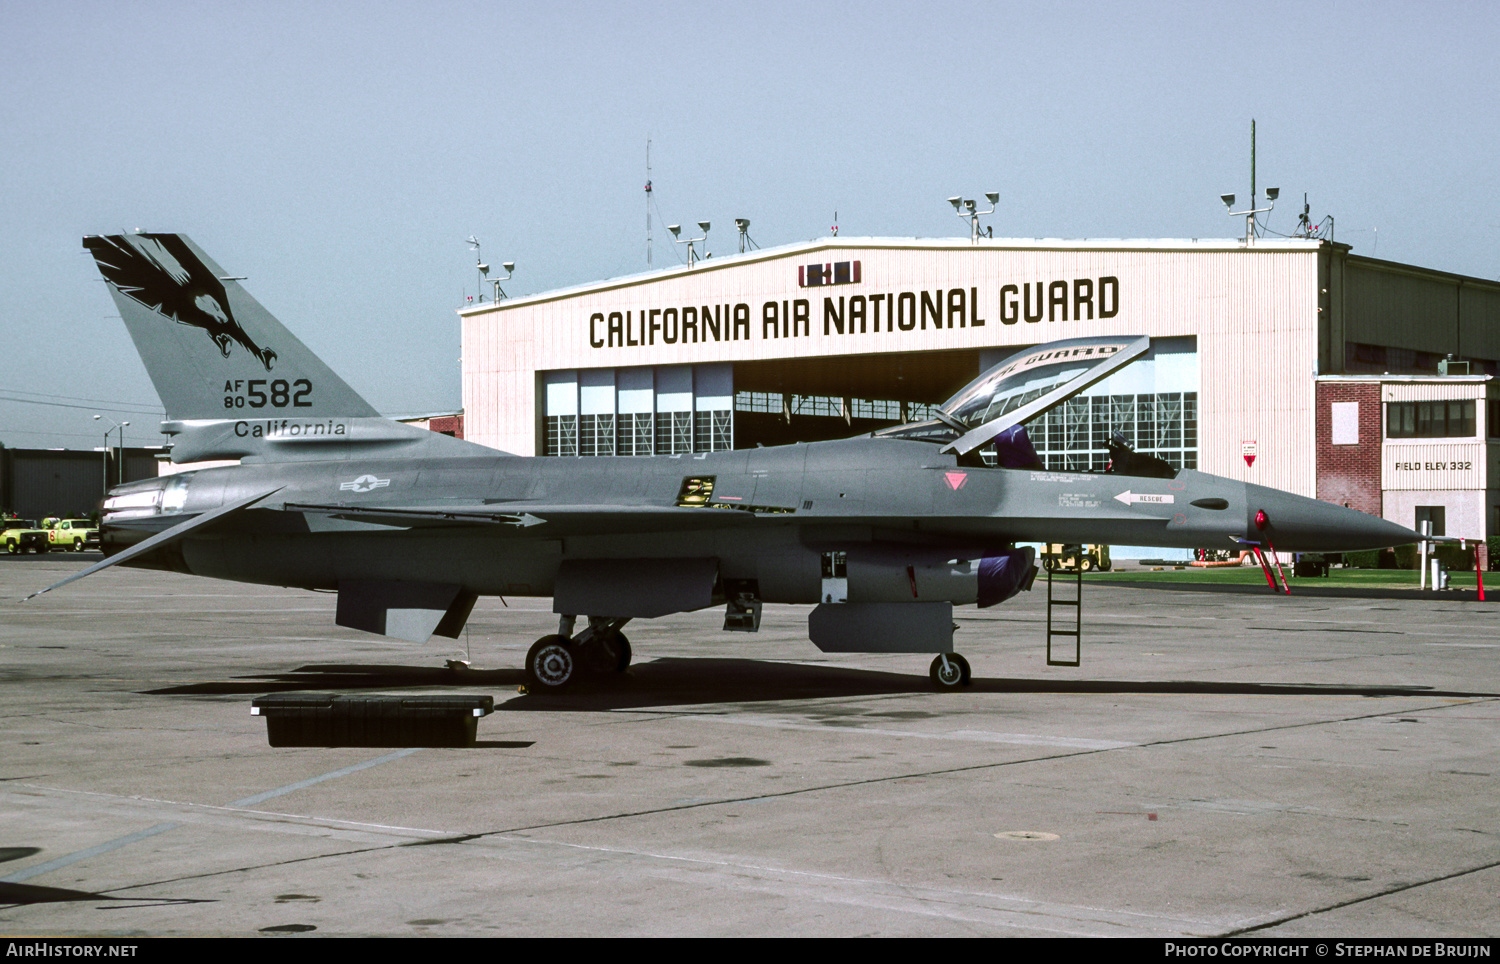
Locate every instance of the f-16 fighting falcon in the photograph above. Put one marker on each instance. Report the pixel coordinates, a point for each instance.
(885, 532)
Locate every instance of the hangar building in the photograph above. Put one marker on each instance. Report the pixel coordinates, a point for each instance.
(1290, 363)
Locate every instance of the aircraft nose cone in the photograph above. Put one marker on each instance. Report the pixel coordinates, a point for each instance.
(1294, 523)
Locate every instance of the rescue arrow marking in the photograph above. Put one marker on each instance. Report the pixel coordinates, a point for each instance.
(1130, 498)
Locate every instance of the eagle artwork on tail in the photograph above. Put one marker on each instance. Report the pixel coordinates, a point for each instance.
(159, 272)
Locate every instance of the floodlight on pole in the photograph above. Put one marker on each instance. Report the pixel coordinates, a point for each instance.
(510, 269)
(966, 208)
(1272, 193)
(743, 226)
(676, 229)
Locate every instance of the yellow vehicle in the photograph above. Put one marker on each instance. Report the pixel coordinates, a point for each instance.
(74, 534)
(22, 535)
(1090, 558)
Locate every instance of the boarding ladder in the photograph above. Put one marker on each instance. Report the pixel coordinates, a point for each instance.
(1073, 605)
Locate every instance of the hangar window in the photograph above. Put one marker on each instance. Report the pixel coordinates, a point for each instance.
(1452, 418)
(562, 434)
(713, 431)
(1075, 436)
(660, 410)
(828, 406)
(636, 434)
(596, 435)
(674, 433)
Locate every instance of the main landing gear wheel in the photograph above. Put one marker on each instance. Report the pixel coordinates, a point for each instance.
(607, 653)
(949, 672)
(551, 664)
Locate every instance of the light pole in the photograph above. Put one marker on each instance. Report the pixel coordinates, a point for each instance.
(965, 208)
(121, 463)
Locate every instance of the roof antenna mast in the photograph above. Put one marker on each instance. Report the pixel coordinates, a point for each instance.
(648, 203)
(1272, 193)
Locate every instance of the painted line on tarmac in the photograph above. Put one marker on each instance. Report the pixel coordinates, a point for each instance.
(332, 774)
(139, 835)
(94, 851)
(720, 873)
(967, 736)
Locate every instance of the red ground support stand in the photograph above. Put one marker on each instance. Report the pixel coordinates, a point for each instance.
(1279, 571)
(1265, 568)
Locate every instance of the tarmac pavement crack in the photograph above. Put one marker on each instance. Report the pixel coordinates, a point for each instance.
(249, 868)
(1353, 901)
(892, 778)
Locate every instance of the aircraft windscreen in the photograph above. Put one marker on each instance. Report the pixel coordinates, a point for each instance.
(1028, 375)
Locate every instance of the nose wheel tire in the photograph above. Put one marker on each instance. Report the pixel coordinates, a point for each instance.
(950, 671)
(551, 664)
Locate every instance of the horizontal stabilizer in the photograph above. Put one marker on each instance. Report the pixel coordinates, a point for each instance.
(163, 538)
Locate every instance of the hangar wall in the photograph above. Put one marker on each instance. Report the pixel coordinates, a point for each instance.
(36, 483)
(1401, 319)
(1254, 312)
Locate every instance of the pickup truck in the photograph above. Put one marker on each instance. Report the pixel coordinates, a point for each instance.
(74, 534)
(22, 535)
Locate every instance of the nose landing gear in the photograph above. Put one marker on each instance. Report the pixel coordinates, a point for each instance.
(949, 671)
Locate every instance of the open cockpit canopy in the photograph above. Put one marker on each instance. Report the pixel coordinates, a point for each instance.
(1020, 388)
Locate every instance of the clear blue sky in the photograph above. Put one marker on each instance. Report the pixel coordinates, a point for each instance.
(339, 153)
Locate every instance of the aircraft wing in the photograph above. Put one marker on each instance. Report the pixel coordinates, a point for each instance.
(526, 516)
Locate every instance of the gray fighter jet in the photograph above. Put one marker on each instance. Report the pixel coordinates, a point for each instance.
(884, 532)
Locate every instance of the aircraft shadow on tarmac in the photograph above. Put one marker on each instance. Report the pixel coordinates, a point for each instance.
(14, 893)
(677, 682)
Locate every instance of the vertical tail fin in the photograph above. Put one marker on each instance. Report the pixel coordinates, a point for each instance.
(211, 350)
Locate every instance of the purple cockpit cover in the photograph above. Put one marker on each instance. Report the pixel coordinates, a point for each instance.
(1002, 576)
(1013, 449)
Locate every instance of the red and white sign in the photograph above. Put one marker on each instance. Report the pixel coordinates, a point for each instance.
(1248, 449)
